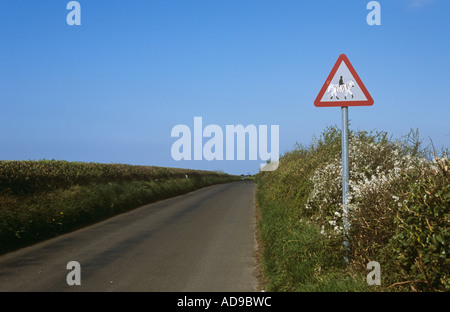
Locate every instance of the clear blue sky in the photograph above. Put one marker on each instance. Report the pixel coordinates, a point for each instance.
(111, 89)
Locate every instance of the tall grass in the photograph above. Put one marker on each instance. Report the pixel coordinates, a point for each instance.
(42, 199)
(399, 214)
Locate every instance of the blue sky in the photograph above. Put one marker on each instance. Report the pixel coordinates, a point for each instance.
(111, 89)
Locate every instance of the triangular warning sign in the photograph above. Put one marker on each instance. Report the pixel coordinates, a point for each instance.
(343, 87)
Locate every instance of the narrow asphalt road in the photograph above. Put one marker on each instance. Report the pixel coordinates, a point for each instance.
(201, 241)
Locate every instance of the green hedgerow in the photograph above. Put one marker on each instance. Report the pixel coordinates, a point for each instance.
(398, 208)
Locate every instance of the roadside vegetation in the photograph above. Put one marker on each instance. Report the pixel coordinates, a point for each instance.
(45, 198)
(399, 215)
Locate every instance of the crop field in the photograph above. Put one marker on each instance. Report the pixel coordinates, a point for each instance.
(45, 198)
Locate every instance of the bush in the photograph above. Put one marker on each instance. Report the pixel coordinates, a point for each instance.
(297, 257)
(398, 204)
(422, 233)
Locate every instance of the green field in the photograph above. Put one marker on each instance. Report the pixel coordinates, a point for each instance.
(42, 199)
(399, 215)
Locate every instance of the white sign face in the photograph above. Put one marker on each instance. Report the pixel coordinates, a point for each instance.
(343, 87)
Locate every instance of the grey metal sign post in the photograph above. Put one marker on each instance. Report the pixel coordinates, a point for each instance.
(344, 88)
(345, 178)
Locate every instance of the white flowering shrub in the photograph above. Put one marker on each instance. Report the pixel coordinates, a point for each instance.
(399, 200)
(377, 165)
(374, 162)
(383, 179)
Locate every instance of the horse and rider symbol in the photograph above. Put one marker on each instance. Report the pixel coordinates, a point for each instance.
(342, 87)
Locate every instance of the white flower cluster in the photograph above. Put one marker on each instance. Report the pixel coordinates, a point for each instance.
(373, 166)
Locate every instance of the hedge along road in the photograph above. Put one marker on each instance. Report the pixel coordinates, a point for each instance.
(200, 241)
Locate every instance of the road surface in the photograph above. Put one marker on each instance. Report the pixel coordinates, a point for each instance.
(200, 241)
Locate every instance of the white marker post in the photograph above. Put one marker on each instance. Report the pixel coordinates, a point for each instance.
(344, 88)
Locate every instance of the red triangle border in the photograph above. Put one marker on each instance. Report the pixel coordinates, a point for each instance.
(368, 102)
